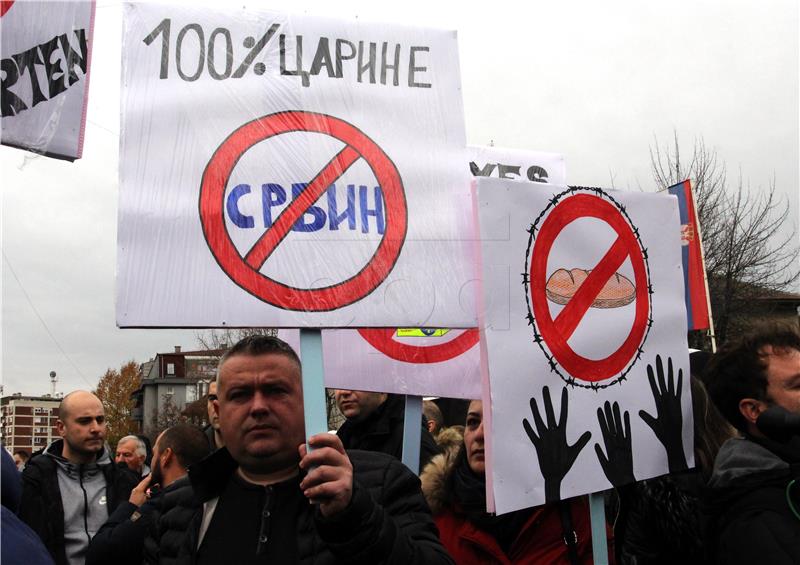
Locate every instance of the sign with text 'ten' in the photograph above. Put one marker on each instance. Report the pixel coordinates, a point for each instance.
(290, 171)
(46, 49)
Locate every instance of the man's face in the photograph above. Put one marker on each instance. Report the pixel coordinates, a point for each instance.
(18, 460)
(473, 437)
(260, 409)
(126, 452)
(783, 377)
(213, 418)
(358, 404)
(84, 426)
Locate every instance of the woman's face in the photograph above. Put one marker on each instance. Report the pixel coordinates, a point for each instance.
(473, 437)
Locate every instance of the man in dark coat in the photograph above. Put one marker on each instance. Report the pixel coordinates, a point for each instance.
(375, 423)
(265, 498)
(120, 540)
(69, 489)
(754, 494)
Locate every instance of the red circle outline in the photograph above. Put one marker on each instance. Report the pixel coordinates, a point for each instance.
(570, 209)
(381, 339)
(212, 193)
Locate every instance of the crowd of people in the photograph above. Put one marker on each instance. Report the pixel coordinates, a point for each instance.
(246, 489)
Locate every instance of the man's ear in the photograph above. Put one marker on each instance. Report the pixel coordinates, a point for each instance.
(61, 428)
(430, 425)
(751, 409)
(167, 456)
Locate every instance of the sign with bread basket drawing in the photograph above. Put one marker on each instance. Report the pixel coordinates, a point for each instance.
(590, 386)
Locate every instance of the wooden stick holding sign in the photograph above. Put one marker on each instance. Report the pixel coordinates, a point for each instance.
(412, 432)
(314, 407)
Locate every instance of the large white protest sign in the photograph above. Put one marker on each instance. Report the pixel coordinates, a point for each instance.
(46, 48)
(290, 171)
(589, 386)
(429, 361)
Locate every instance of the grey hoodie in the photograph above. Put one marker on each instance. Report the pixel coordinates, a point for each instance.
(83, 495)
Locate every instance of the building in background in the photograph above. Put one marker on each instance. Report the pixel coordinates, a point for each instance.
(28, 422)
(170, 382)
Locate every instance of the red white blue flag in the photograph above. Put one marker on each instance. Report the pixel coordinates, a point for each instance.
(692, 250)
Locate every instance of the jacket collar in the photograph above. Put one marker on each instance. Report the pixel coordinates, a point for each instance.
(209, 476)
(381, 421)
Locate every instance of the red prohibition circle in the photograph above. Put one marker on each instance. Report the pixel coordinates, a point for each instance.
(381, 339)
(244, 271)
(626, 245)
(5, 6)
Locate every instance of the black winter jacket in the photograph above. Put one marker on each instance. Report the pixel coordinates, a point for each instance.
(387, 521)
(121, 540)
(383, 431)
(661, 521)
(41, 507)
(752, 491)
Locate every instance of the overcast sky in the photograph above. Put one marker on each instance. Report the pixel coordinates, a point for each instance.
(595, 81)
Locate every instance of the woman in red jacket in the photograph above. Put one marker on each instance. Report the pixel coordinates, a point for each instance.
(454, 484)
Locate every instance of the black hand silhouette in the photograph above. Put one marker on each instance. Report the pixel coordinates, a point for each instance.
(556, 456)
(668, 425)
(617, 461)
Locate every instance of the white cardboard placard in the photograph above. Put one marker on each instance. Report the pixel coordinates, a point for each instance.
(596, 345)
(215, 149)
(46, 51)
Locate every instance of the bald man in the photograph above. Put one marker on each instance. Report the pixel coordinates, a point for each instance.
(70, 488)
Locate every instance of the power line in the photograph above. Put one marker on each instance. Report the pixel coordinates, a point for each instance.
(44, 324)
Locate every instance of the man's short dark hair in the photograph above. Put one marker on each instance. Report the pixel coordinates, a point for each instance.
(255, 345)
(739, 370)
(188, 443)
(433, 413)
(24, 455)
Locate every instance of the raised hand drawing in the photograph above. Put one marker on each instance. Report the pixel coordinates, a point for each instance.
(555, 455)
(617, 461)
(668, 424)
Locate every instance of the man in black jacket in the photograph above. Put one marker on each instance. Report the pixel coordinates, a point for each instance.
(69, 489)
(120, 540)
(753, 494)
(375, 423)
(265, 498)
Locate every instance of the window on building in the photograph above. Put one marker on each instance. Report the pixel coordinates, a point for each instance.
(170, 390)
(170, 368)
(191, 393)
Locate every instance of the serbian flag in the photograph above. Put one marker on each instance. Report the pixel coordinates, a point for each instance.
(692, 250)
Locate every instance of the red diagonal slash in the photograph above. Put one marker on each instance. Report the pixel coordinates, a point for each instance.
(573, 312)
(267, 243)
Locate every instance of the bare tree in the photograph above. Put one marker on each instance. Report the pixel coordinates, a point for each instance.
(169, 415)
(225, 338)
(749, 241)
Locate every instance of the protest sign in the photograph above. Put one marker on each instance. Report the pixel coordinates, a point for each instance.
(589, 386)
(429, 361)
(290, 171)
(517, 164)
(46, 50)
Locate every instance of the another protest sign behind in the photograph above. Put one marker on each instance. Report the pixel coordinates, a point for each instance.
(309, 176)
(517, 164)
(46, 50)
(430, 361)
(589, 387)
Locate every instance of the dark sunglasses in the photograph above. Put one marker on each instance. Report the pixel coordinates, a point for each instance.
(212, 397)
